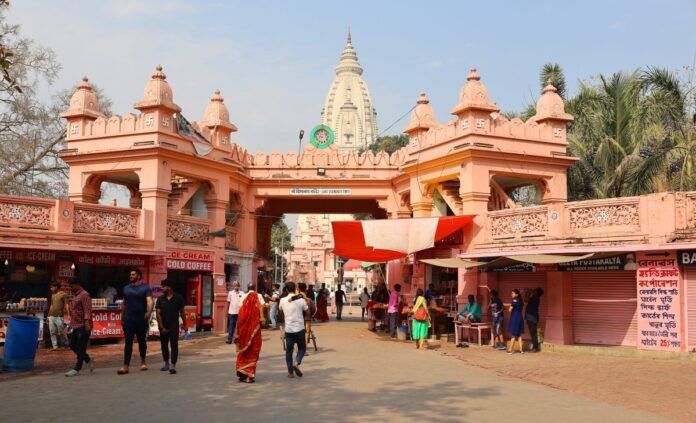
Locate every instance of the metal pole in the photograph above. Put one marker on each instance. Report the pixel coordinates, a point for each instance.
(282, 260)
(299, 145)
(275, 278)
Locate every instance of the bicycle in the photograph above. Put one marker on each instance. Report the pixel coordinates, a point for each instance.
(312, 337)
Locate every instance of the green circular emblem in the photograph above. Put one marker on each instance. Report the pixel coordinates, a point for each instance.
(321, 136)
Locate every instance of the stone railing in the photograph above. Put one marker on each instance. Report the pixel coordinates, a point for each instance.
(32, 213)
(519, 223)
(106, 220)
(688, 203)
(188, 229)
(230, 238)
(603, 216)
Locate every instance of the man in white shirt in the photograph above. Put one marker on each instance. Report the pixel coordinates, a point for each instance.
(294, 308)
(234, 301)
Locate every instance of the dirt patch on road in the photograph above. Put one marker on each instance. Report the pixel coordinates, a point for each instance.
(660, 386)
(663, 387)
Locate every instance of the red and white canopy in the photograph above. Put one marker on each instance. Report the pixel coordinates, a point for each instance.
(384, 240)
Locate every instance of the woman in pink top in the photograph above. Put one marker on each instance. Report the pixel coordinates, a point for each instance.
(393, 310)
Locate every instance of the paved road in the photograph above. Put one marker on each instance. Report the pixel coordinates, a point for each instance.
(356, 376)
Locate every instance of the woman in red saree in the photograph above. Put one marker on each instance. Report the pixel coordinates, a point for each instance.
(321, 315)
(248, 337)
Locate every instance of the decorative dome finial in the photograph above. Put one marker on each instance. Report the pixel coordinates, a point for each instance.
(549, 87)
(473, 75)
(158, 73)
(85, 85)
(422, 99)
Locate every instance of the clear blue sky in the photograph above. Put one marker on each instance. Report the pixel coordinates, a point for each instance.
(274, 61)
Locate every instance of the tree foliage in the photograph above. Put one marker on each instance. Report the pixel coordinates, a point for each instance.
(633, 132)
(281, 242)
(389, 143)
(32, 132)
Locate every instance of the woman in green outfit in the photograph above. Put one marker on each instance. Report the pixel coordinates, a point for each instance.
(419, 329)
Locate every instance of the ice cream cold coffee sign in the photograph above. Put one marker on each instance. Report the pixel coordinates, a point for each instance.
(658, 302)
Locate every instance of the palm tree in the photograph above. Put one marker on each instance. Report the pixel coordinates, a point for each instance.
(673, 104)
(633, 132)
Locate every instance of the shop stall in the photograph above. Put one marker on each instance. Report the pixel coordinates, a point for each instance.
(26, 276)
(191, 275)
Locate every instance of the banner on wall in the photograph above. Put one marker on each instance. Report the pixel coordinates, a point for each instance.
(110, 260)
(617, 262)
(687, 257)
(659, 307)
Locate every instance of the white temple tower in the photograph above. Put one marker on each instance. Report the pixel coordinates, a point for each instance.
(348, 109)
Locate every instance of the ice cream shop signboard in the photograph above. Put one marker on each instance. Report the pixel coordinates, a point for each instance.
(194, 261)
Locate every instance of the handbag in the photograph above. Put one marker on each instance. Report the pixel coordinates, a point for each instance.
(420, 314)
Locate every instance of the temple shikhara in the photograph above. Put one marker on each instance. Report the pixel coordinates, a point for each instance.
(618, 271)
(355, 127)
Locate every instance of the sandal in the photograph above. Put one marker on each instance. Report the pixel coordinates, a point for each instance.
(122, 371)
(250, 380)
(143, 367)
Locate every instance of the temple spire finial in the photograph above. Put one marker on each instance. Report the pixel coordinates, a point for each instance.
(349, 41)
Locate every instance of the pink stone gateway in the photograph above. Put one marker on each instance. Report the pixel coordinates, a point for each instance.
(201, 209)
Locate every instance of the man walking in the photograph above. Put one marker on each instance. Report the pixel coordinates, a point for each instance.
(56, 325)
(531, 315)
(169, 307)
(393, 310)
(340, 299)
(81, 323)
(137, 309)
(294, 310)
(234, 301)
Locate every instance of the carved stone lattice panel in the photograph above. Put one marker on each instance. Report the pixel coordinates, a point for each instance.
(112, 222)
(691, 212)
(601, 216)
(231, 240)
(32, 215)
(180, 230)
(520, 223)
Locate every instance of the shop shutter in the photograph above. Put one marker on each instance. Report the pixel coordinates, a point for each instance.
(507, 281)
(605, 308)
(690, 279)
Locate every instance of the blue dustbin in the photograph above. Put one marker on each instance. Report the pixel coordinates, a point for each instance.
(20, 343)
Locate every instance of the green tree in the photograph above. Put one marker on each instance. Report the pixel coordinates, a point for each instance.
(632, 134)
(389, 143)
(281, 242)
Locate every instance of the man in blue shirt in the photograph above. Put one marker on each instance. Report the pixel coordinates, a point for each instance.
(137, 309)
(497, 317)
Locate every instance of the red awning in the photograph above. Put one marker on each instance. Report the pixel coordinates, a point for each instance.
(391, 239)
(352, 265)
